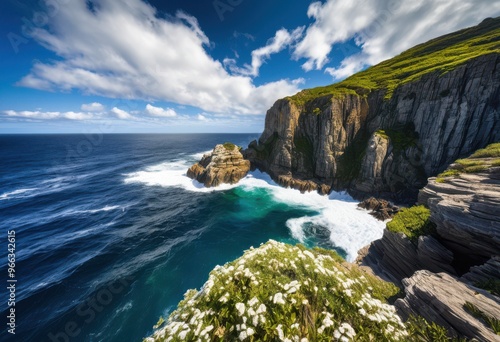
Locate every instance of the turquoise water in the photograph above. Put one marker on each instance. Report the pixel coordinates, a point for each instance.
(110, 238)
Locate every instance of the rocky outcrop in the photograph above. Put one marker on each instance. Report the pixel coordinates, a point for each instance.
(372, 144)
(394, 257)
(466, 210)
(380, 209)
(225, 164)
(445, 299)
(484, 274)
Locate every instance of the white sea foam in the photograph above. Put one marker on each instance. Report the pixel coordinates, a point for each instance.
(200, 155)
(93, 211)
(170, 174)
(20, 193)
(350, 227)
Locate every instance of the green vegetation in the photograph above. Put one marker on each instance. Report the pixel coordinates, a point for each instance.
(349, 163)
(288, 293)
(401, 137)
(491, 285)
(305, 147)
(491, 151)
(421, 330)
(381, 133)
(264, 150)
(492, 322)
(413, 222)
(479, 161)
(440, 55)
(229, 146)
(316, 111)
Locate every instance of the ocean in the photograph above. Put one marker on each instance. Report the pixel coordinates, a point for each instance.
(110, 233)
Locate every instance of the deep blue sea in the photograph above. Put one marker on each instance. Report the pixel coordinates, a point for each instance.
(110, 233)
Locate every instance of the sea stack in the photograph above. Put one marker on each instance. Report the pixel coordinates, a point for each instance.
(224, 165)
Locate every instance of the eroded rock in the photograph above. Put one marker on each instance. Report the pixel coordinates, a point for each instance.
(224, 165)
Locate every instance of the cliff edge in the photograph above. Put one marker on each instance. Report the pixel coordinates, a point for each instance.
(385, 130)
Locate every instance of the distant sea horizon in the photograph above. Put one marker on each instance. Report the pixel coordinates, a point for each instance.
(110, 233)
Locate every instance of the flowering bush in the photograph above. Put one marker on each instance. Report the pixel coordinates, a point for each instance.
(279, 292)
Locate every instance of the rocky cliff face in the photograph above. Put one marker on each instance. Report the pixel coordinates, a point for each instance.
(387, 147)
(450, 303)
(464, 204)
(224, 165)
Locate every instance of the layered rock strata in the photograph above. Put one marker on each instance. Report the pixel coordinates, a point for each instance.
(224, 165)
(369, 144)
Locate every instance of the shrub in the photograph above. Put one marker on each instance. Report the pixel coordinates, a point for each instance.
(491, 151)
(288, 293)
(413, 222)
(229, 146)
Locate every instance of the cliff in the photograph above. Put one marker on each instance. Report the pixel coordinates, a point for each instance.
(453, 263)
(385, 130)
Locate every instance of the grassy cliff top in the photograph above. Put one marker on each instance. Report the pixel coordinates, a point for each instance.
(479, 161)
(441, 54)
(279, 292)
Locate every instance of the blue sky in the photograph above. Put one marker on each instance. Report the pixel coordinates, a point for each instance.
(78, 66)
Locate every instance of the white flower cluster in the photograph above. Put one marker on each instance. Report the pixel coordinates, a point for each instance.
(379, 312)
(266, 291)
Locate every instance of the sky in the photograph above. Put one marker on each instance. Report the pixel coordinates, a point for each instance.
(214, 66)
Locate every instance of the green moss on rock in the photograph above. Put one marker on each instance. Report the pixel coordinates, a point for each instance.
(413, 222)
(440, 55)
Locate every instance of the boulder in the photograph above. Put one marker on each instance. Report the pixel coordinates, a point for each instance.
(380, 209)
(224, 165)
(441, 298)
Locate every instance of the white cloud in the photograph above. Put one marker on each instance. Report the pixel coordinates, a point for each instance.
(123, 49)
(38, 114)
(121, 114)
(201, 117)
(280, 41)
(158, 111)
(92, 107)
(382, 29)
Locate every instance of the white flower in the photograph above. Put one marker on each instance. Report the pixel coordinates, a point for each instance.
(183, 333)
(261, 309)
(250, 332)
(243, 335)
(207, 330)
(253, 301)
(278, 298)
(241, 308)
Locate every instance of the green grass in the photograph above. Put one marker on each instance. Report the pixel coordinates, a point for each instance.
(491, 151)
(413, 222)
(492, 322)
(491, 285)
(229, 146)
(401, 138)
(382, 133)
(421, 330)
(440, 55)
(279, 291)
(479, 161)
